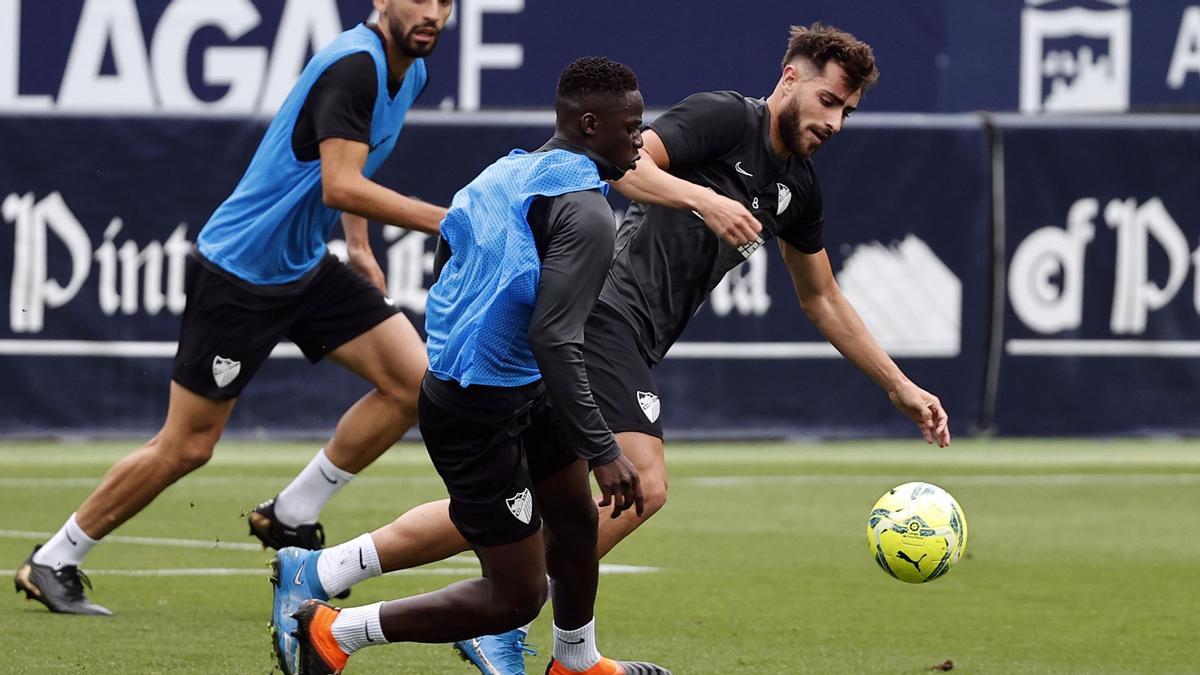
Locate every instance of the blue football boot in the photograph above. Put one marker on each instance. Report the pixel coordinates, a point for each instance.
(502, 654)
(294, 575)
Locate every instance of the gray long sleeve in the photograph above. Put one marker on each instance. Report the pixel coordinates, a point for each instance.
(575, 234)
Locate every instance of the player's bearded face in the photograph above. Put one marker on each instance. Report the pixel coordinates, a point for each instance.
(795, 137)
(816, 108)
(416, 25)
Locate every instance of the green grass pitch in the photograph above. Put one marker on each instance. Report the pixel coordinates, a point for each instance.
(1083, 558)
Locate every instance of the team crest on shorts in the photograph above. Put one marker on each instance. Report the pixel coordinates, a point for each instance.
(225, 370)
(521, 505)
(650, 405)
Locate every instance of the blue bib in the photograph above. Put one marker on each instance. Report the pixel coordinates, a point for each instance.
(478, 312)
(273, 228)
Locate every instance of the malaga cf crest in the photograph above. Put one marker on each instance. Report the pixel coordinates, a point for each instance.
(650, 405)
(521, 505)
(225, 370)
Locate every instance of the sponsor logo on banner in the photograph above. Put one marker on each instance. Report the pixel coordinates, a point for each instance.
(743, 290)
(121, 63)
(1046, 283)
(147, 278)
(131, 277)
(1074, 58)
(908, 298)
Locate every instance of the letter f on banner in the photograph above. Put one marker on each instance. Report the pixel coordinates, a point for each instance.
(32, 289)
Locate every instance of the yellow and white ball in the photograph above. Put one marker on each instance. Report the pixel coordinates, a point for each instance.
(917, 532)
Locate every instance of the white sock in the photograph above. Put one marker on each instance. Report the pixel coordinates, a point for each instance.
(576, 649)
(301, 501)
(340, 567)
(358, 627)
(66, 547)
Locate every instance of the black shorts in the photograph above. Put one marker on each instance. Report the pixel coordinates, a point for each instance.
(230, 327)
(491, 446)
(619, 374)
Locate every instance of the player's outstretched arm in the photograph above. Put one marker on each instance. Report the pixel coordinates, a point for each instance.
(834, 316)
(650, 183)
(358, 250)
(346, 189)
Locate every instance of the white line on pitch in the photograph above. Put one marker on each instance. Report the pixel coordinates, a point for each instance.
(995, 479)
(700, 481)
(605, 568)
(213, 480)
(145, 541)
(262, 571)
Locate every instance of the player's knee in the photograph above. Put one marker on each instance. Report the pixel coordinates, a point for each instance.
(195, 455)
(187, 454)
(400, 395)
(571, 524)
(574, 536)
(583, 522)
(519, 603)
(654, 494)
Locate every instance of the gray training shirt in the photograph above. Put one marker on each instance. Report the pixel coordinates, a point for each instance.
(667, 261)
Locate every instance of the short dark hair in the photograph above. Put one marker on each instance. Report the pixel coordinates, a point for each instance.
(594, 75)
(819, 43)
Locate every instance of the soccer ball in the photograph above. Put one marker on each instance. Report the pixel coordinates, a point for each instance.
(917, 532)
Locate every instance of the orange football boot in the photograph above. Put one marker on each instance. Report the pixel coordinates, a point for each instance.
(608, 666)
(319, 651)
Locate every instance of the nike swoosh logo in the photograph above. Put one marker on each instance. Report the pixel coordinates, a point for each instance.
(571, 642)
(385, 140)
(326, 476)
(738, 168)
(367, 630)
(361, 564)
(73, 542)
(299, 580)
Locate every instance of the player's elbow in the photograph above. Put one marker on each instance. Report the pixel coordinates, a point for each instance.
(336, 194)
(817, 304)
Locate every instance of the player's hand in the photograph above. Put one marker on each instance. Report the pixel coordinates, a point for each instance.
(363, 261)
(729, 220)
(925, 409)
(620, 485)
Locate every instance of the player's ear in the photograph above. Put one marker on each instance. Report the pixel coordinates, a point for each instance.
(588, 122)
(790, 75)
